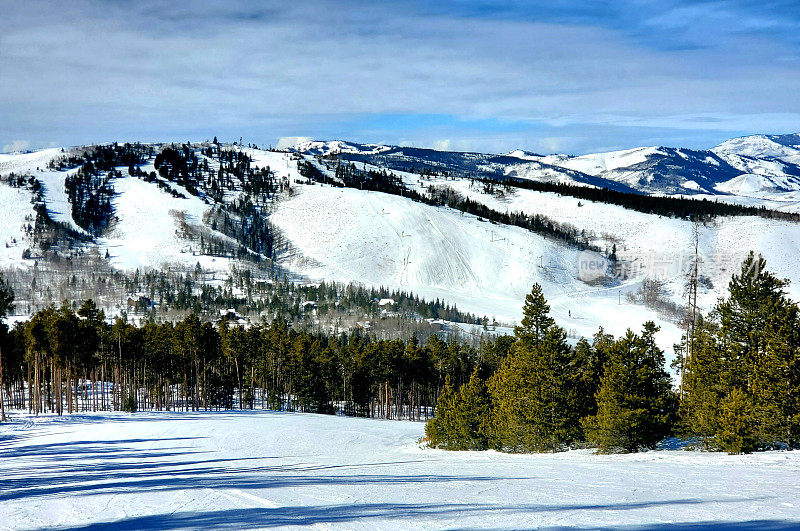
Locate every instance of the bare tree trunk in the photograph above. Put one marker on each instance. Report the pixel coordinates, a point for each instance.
(2, 400)
(69, 387)
(30, 390)
(37, 389)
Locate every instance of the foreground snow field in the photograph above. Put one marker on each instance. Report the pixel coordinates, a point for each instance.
(269, 469)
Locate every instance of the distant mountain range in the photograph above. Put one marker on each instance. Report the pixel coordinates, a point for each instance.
(752, 166)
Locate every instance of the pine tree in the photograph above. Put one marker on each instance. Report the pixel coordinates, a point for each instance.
(474, 419)
(588, 362)
(536, 318)
(535, 397)
(704, 385)
(735, 433)
(534, 393)
(439, 430)
(462, 419)
(635, 401)
(758, 338)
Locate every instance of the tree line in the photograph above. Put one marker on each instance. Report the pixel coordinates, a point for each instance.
(668, 206)
(530, 392)
(740, 388)
(63, 361)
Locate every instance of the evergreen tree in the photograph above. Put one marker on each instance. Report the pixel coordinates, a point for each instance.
(587, 364)
(462, 417)
(635, 401)
(534, 393)
(440, 430)
(473, 422)
(746, 362)
(735, 423)
(536, 318)
(704, 385)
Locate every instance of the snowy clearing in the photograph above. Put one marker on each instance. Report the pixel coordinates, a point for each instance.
(15, 205)
(149, 232)
(268, 469)
(378, 239)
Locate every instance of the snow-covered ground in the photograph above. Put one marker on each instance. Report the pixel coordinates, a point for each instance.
(149, 233)
(268, 469)
(15, 205)
(379, 239)
(597, 163)
(659, 243)
(22, 163)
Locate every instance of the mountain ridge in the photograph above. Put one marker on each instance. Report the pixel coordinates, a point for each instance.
(768, 163)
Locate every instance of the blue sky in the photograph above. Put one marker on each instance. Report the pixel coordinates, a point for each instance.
(562, 76)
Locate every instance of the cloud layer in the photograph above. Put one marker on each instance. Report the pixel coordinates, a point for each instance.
(471, 75)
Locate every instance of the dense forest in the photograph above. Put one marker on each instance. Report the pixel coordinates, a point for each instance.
(531, 392)
(63, 360)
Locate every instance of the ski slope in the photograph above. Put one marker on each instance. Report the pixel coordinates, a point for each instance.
(656, 241)
(256, 469)
(149, 232)
(56, 198)
(379, 239)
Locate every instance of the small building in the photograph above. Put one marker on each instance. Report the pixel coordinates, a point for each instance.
(230, 314)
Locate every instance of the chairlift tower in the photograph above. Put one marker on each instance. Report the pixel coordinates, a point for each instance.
(492, 239)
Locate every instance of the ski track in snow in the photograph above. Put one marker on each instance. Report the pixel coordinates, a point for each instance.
(348, 235)
(257, 469)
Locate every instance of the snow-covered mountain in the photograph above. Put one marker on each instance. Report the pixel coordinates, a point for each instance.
(754, 165)
(784, 148)
(349, 234)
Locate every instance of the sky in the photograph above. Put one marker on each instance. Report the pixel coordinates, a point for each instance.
(469, 75)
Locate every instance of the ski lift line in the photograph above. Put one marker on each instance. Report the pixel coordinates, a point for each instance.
(493, 239)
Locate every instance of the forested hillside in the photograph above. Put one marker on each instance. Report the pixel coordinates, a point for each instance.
(377, 239)
(738, 391)
(64, 361)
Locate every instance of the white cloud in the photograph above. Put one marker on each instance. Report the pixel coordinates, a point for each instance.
(16, 145)
(286, 142)
(552, 144)
(280, 69)
(442, 145)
